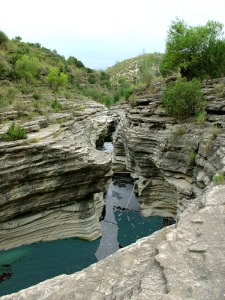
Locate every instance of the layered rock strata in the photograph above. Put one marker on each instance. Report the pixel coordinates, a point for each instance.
(183, 261)
(52, 183)
(171, 163)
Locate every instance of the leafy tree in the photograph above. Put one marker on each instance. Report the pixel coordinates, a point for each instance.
(197, 51)
(183, 98)
(56, 78)
(27, 67)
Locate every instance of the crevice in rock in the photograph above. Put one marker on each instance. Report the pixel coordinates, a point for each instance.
(215, 112)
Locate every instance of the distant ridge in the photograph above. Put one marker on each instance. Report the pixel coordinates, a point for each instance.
(130, 68)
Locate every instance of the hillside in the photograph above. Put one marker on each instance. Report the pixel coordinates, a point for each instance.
(136, 69)
(33, 79)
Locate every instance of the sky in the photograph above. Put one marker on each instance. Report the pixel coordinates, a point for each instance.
(102, 33)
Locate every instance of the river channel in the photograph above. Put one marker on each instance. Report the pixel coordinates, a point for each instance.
(121, 225)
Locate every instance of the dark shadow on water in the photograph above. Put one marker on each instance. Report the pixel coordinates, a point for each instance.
(121, 224)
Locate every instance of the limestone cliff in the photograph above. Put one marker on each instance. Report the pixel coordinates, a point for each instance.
(171, 163)
(52, 183)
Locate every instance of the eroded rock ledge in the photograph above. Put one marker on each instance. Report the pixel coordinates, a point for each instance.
(171, 163)
(52, 183)
(179, 262)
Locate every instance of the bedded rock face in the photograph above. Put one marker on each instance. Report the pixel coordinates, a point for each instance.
(52, 183)
(171, 163)
(183, 261)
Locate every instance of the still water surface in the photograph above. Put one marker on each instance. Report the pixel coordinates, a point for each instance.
(30, 264)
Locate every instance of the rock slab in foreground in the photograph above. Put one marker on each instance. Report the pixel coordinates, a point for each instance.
(176, 263)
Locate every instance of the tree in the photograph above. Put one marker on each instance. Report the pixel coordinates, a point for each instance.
(197, 51)
(56, 79)
(27, 67)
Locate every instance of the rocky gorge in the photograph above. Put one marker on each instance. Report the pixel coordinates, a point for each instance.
(52, 183)
(174, 166)
(171, 162)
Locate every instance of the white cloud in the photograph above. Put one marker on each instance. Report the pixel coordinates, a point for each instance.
(112, 29)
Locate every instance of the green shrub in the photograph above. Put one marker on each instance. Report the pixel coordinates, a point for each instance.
(4, 101)
(36, 96)
(91, 79)
(98, 96)
(146, 71)
(74, 61)
(105, 79)
(25, 89)
(5, 82)
(11, 92)
(201, 118)
(68, 94)
(183, 98)
(106, 99)
(127, 92)
(192, 156)
(14, 132)
(116, 96)
(218, 178)
(21, 107)
(218, 88)
(56, 105)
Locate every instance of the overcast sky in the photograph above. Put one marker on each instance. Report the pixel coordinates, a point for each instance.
(103, 32)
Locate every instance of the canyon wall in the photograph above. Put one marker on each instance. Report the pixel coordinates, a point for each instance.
(180, 262)
(173, 166)
(171, 163)
(52, 183)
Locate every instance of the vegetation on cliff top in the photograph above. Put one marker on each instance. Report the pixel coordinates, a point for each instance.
(183, 99)
(33, 78)
(197, 52)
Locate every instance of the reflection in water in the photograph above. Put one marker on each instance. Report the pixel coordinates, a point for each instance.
(121, 225)
(5, 272)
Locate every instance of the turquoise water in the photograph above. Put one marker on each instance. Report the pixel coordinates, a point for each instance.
(134, 227)
(34, 263)
(28, 265)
